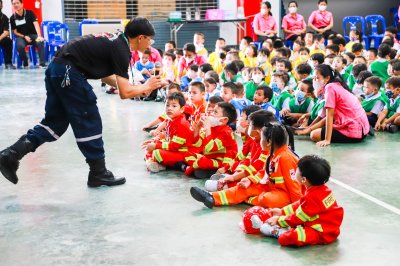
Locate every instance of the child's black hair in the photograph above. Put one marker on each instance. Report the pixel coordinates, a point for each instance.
(194, 68)
(384, 50)
(334, 76)
(394, 81)
(344, 61)
(177, 96)
(265, 51)
(198, 85)
(215, 99)
(287, 63)
(174, 85)
(213, 75)
(210, 81)
(315, 169)
(229, 111)
(389, 41)
(239, 64)
(357, 69)
(373, 50)
(205, 67)
(284, 51)
(374, 81)
(267, 91)
(304, 49)
(230, 85)
(392, 30)
(351, 56)
(339, 40)
(304, 69)
(232, 67)
(334, 47)
(170, 54)
(357, 47)
(283, 76)
(309, 83)
(363, 75)
(317, 37)
(278, 43)
(395, 63)
(278, 135)
(248, 39)
(318, 57)
(248, 110)
(261, 118)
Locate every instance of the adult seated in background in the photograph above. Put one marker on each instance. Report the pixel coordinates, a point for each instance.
(154, 55)
(264, 24)
(189, 58)
(26, 29)
(5, 41)
(293, 24)
(321, 20)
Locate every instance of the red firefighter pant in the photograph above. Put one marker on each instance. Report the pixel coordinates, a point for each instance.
(255, 194)
(202, 163)
(167, 158)
(300, 236)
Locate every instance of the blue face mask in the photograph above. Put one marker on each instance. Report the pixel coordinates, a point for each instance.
(389, 94)
(275, 88)
(300, 96)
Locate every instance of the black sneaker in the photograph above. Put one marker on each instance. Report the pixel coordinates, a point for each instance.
(202, 196)
(393, 128)
(10, 66)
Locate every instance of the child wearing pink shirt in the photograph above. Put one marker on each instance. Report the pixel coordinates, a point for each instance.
(346, 120)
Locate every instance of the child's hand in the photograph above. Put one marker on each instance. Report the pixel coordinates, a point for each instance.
(144, 143)
(244, 183)
(154, 133)
(273, 220)
(276, 211)
(227, 179)
(145, 72)
(151, 146)
(301, 119)
(304, 131)
(284, 112)
(323, 143)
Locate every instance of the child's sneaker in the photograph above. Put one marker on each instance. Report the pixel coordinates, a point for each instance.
(393, 128)
(272, 231)
(155, 167)
(215, 185)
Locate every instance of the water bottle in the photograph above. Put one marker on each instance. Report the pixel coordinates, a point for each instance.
(197, 14)
(188, 14)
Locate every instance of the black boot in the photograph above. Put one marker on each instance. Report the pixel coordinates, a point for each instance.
(100, 176)
(10, 157)
(202, 196)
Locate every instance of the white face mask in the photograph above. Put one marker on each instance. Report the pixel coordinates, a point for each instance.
(257, 78)
(263, 11)
(199, 47)
(322, 7)
(261, 60)
(239, 128)
(292, 10)
(189, 59)
(214, 121)
(228, 79)
(318, 86)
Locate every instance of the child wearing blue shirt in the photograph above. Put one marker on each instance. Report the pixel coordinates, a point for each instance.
(262, 98)
(191, 75)
(144, 66)
(212, 88)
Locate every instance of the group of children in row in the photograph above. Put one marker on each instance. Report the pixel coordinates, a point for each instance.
(196, 133)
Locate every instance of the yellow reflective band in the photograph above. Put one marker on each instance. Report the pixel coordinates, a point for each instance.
(252, 169)
(288, 210)
(228, 161)
(263, 158)
(164, 145)
(278, 179)
(255, 179)
(282, 222)
(304, 217)
(164, 116)
(183, 149)
(215, 163)
(317, 227)
(240, 156)
(190, 158)
(150, 160)
(178, 140)
(301, 234)
(241, 168)
(195, 164)
(157, 156)
(222, 196)
(250, 200)
(198, 143)
(220, 146)
(209, 146)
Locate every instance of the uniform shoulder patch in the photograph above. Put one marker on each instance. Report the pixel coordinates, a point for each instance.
(329, 200)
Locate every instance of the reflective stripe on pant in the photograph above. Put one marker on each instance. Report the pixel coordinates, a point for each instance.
(237, 194)
(76, 105)
(300, 236)
(167, 158)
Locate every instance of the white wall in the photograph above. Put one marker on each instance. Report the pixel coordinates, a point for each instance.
(52, 10)
(228, 30)
(7, 8)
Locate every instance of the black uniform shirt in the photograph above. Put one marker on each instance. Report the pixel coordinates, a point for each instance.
(24, 23)
(98, 56)
(4, 26)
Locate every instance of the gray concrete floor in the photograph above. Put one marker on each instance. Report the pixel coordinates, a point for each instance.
(52, 218)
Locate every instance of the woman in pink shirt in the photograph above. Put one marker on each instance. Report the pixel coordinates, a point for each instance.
(346, 120)
(189, 58)
(293, 24)
(321, 20)
(264, 24)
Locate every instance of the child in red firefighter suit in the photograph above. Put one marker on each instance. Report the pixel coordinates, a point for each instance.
(252, 158)
(218, 144)
(276, 188)
(316, 217)
(178, 138)
(196, 96)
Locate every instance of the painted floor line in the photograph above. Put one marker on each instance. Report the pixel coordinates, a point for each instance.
(366, 196)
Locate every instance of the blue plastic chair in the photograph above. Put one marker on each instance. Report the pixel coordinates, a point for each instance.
(354, 21)
(58, 34)
(86, 21)
(17, 59)
(1, 56)
(46, 37)
(396, 24)
(371, 23)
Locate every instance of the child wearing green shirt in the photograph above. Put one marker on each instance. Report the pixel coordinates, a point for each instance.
(373, 102)
(380, 66)
(282, 96)
(389, 118)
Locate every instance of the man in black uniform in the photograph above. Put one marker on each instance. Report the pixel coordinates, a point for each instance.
(27, 31)
(5, 41)
(71, 100)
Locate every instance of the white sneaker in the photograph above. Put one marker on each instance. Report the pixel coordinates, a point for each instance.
(214, 185)
(273, 231)
(155, 167)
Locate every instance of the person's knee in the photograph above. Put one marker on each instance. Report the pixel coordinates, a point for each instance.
(315, 135)
(397, 121)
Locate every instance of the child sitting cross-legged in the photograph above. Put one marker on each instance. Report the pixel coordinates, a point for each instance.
(178, 138)
(389, 118)
(218, 143)
(373, 102)
(316, 218)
